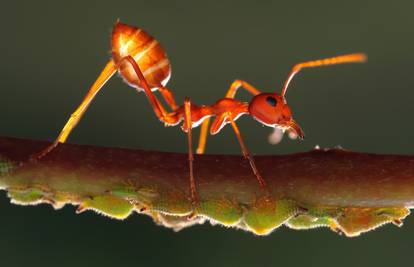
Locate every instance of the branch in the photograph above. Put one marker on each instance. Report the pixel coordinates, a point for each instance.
(346, 191)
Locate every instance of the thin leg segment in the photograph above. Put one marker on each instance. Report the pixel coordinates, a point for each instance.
(107, 73)
(203, 136)
(155, 103)
(231, 93)
(168, 96)
(349, 58)
(74, 119)
(241, 84)
(247, 155)
(188, 122)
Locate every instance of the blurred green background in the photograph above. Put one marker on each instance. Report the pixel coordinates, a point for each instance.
(53, 51)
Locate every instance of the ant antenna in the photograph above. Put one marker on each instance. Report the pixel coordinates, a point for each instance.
(349, 58)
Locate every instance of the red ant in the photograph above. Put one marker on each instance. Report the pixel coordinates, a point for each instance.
(143, 64)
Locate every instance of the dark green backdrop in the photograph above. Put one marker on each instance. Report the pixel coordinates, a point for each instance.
(53, 50)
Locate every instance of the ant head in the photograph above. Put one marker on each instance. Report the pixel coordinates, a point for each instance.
(271, 110)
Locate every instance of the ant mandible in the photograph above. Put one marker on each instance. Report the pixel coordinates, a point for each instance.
(143, 64)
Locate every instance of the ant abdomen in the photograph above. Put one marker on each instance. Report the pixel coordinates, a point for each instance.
(146, 51)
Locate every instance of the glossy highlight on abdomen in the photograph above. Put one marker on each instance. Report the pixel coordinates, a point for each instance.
(147, 52)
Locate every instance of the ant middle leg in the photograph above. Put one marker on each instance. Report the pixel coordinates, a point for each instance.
(188, 124)
(163, 116)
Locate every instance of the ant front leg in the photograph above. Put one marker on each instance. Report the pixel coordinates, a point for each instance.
(231, 93)
(188, 124)
(247, 155)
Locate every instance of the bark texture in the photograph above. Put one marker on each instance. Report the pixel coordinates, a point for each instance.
(346, 191)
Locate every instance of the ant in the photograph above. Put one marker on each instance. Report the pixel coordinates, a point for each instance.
(143, 64)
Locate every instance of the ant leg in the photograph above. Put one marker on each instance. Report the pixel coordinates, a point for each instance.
(107, 73)
(349, 58)
(236, 84)
(156, 105)
(76, 116)
(168, 96)
(203, 136)
(188, 125)
(240, 83)
(247, 155)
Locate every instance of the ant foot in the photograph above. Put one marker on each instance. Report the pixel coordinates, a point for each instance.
(302, 211)
(397, 222)
(191, 216)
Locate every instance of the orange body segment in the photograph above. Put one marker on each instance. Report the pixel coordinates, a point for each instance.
(143, 64)
(146, 51)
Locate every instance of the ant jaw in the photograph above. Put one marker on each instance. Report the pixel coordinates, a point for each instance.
(297, 129)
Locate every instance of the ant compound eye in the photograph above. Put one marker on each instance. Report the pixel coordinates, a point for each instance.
(271, 101)
(267, 108)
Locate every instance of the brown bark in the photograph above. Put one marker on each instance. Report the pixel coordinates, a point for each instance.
(319, 178)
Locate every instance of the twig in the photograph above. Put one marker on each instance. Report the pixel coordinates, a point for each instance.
(346, 191)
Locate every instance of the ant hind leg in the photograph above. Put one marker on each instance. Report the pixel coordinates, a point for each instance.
(76, 116)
